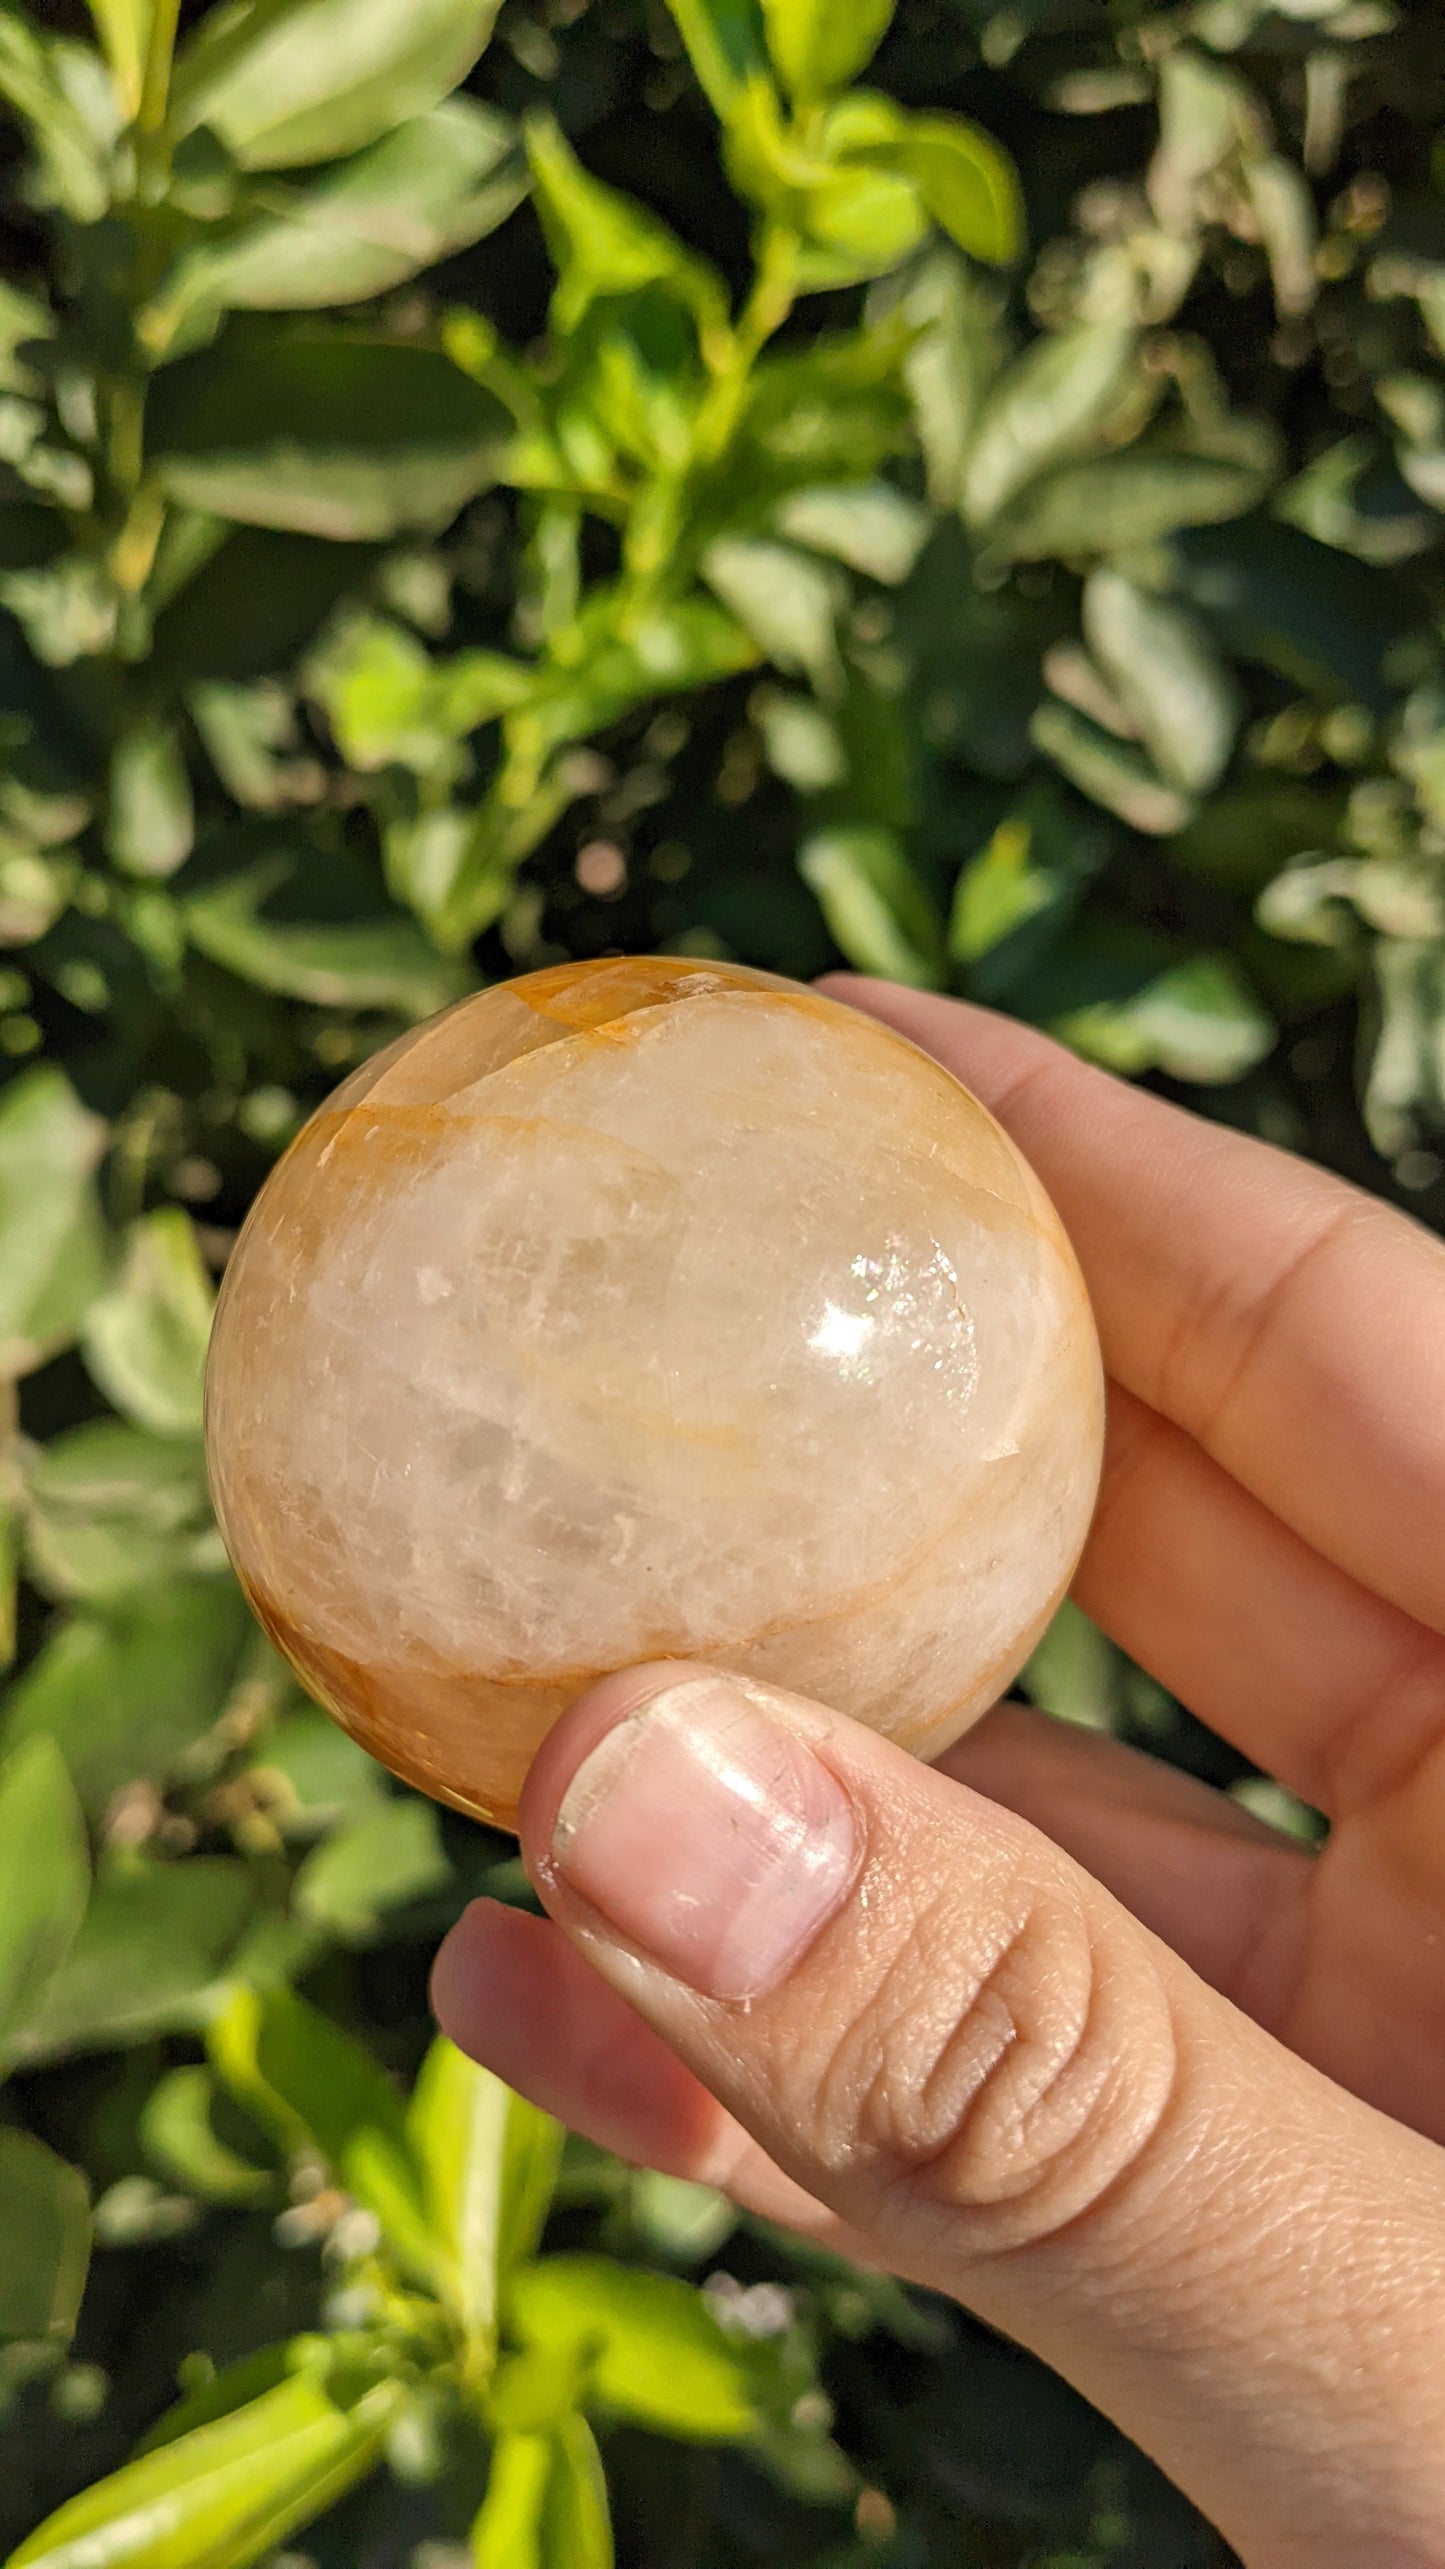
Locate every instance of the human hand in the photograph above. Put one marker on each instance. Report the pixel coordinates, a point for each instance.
(1050, 2027)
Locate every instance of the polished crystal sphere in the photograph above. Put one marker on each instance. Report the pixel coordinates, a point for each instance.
(649, 1309)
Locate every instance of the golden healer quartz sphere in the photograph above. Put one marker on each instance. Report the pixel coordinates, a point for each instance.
(646, 1310)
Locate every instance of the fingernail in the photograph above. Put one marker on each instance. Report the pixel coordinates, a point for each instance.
(710, 1836)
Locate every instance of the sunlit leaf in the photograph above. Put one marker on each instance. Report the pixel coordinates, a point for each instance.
(724, 39)
(286, 82)
(1051, 403)
(1198, 1021)
(604, 243)
(145, 1339)
(875, 906)
(124, 28)
(226, 2494)
(354, 230)
(491, 2162)
(818, 46)
(657, 2356)
(351, 963)
(968, 185)
(323, 433)
(180, 2138)
(1172, 680)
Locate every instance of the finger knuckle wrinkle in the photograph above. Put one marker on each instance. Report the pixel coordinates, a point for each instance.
(1023, 2106)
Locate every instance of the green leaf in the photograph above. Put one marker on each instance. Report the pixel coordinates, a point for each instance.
(52, 1242)
(108, 1509)
(657, 2355)
(968, 185)
(1112, 771)
(388, 1856)
(1170, 678)
(1073, 1672)
(151, 822)
(145, 1339)
(253, 605)
(1328, 623)
(286, 82)
(725, 44)
(490, 2161)
(1114, 503)
(51, 84)
(818, 46)
(313, 1773)
(151, 1952)
(869, 525)
(226, 2494)
(323, 432)
(788, 603)
(44, 2244)
(876, 909)
(127, 1693)
(546, 2504)
(359, 963)
(1051, 403)
(179, 2137)
(1198, 1021)
(604, 243)
(390, 703)
(956, 354)
(305, 2081)
(356, 230)
(997, 891)
(124, 28)
(45, 1870)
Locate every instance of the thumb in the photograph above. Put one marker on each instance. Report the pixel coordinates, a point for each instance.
(939, 2026)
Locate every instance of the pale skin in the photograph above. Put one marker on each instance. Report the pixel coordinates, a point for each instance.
(1055, 2029)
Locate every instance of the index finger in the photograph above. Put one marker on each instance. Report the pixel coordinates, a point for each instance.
(1291, 1324)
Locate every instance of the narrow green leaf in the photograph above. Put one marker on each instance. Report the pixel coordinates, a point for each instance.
(52, 1242)
(109, 1510)
(818, 46)
(151, 821)
(1112, 771)
(876, 909)
(996, 892)
(145, 1340)
(725, 44)
(180, 2139)
(148, 1958)
(658, 2356)
(226, 2494)
(1113, 503)
(288, 82)
(44, 2243)
(546, 2504)
(124, 28)
(45, 1873)
(1170, 677)
(323, 432)
(491, 2163)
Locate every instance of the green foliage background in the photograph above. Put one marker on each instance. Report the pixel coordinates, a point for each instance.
(625, 478)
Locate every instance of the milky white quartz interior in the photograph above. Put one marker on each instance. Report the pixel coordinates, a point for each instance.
(650, 1309)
